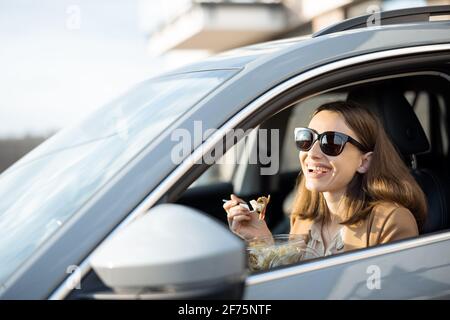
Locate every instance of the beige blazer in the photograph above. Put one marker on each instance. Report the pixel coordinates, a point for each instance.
(387, 222)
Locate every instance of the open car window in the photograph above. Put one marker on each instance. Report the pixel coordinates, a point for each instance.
(426, 104)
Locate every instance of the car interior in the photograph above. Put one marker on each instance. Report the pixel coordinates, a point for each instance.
(414, 109)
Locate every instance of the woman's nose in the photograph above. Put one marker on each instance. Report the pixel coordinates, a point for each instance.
(315, 151)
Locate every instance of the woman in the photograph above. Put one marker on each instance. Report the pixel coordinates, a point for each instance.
(355, 190)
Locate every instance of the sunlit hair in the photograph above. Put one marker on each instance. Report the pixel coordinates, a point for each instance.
(387, 179)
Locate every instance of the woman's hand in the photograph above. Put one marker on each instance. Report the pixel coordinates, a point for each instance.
(243, 222)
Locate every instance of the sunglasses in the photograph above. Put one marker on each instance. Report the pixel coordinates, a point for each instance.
(331, 143)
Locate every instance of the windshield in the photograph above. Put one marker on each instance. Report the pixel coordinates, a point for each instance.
(49, 185)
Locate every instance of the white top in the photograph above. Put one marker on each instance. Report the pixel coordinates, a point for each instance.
(316, 247)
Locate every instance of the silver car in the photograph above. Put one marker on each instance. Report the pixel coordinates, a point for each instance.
(117, 207)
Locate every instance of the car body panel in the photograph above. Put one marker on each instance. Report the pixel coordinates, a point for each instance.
(419, 271)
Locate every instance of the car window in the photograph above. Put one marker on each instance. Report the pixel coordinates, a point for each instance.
(420, 101)
(43, 190)
(283, 185)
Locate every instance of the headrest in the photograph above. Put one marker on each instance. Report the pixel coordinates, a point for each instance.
(398, 117)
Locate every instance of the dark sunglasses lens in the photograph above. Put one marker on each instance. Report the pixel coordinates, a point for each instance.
(303, 140)
(332, 144)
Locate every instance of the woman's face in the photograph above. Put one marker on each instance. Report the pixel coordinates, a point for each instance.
(325, 173)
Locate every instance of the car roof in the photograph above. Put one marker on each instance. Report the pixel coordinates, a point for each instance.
(370, 39)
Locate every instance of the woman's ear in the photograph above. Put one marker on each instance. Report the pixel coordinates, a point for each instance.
(365, 162)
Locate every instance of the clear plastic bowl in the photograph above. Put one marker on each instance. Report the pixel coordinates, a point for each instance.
(278, 250)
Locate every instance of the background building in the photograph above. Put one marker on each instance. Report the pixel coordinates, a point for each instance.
(218, 25)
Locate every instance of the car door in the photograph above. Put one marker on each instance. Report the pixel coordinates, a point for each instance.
(410, 269)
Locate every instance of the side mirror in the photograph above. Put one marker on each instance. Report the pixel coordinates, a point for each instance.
(173, 252)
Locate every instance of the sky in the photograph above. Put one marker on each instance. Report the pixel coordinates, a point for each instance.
(61, 59)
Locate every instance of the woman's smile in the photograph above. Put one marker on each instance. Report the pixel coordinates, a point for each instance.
(315, 175)
(317, 171)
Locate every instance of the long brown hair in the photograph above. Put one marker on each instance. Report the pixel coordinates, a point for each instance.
(387, 179)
